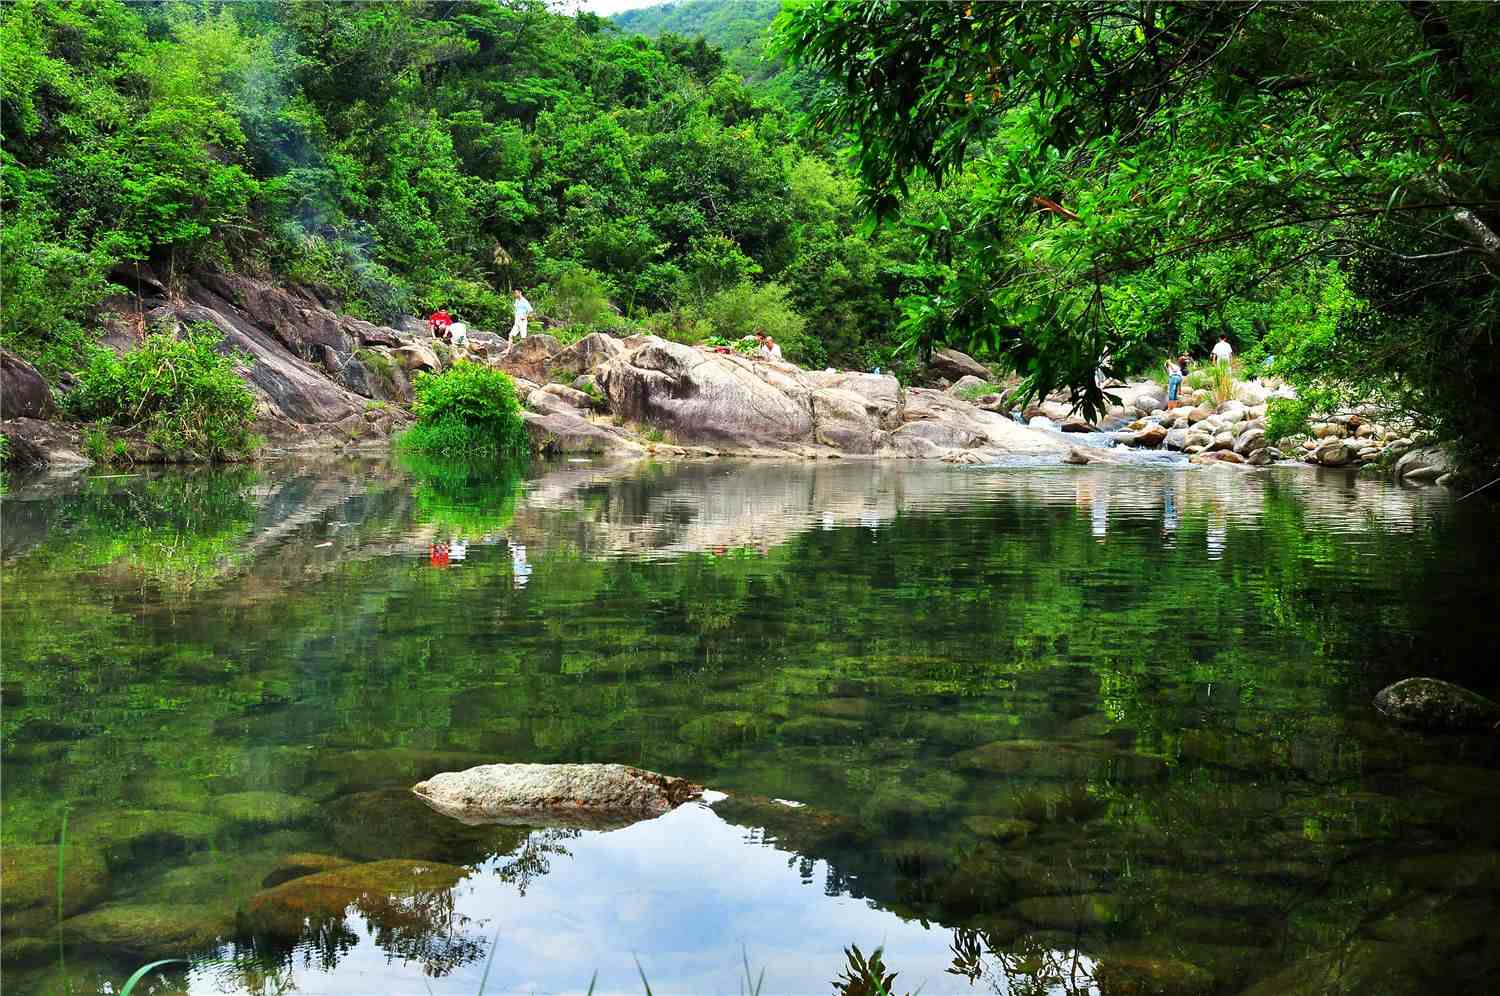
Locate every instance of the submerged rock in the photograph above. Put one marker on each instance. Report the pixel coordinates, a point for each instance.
(28, 873)
(1098, 909)
(1360, 968)
(391, 894)
(150, 930)
(301, 864)
(123, 833)
(1150, 975)
(819, 730)
(264, 809)
(394, 823)
(1436, 705)
(1459, 871)
(581, 795)
(999, 827)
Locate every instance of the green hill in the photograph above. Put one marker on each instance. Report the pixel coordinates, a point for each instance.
(736, 26)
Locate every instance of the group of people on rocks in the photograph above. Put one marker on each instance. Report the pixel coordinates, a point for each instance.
(442, 326)
(1222, 354)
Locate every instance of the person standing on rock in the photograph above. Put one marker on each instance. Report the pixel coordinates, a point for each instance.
(523, 311)
(1174, 381)
(1223, 352)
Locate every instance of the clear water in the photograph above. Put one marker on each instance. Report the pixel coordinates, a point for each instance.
(1046, 729)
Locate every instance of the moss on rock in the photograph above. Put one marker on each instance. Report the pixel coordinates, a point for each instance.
(125, 834)
(264, 809)
(397, 893)
(28, 899)
(151, 930)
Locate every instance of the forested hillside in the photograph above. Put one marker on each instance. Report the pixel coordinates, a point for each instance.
(416, 154)
(739, 27)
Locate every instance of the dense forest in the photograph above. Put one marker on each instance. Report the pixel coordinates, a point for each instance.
(1053, 187)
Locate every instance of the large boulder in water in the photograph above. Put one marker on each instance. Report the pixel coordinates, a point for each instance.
(559, 432)
(845, 420)
(576, 795)
(1436, 705)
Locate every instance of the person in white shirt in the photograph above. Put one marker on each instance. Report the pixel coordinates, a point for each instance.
(1223, 352)
(523, 311)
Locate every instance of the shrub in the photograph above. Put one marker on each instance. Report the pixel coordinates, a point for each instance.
(579, 297)
(182, 393)
(467, 410)
(980, 390)
(1287, 417)
(745, 309)
(678, 325)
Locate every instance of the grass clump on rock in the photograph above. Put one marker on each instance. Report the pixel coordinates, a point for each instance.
(467, 410)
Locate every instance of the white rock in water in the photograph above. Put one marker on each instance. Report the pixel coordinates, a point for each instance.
(597, 796)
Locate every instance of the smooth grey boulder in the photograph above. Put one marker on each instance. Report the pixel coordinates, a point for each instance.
(950, 364)
(587, 354)
(701, 396)
(563, 432)
(593, 796)
(1436, 705)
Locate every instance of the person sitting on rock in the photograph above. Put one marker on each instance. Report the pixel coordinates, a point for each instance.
(439, 322)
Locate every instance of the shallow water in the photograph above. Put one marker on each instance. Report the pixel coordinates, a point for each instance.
(1045, 729)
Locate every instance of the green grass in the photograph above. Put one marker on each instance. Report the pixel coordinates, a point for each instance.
(980, 390)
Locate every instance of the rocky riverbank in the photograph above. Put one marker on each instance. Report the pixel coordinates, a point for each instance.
(325, 381)
(1235, 432)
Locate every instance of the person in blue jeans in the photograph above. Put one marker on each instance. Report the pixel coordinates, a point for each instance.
(1175, 370)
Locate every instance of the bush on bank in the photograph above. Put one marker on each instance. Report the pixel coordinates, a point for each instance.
(181, 393)
(467, 410)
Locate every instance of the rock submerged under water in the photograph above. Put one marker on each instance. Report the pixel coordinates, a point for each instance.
(590, 796)
(1431, 704)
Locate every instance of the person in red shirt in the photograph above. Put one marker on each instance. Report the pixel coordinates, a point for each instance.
(439, 321)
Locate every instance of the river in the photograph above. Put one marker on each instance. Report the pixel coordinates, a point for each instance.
(1026, 729)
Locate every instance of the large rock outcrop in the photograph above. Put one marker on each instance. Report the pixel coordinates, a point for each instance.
(702, 396)
(558, 433)
(586, 355)
(312, 387)
(23, 392)
(574, 795)
(734, 403)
